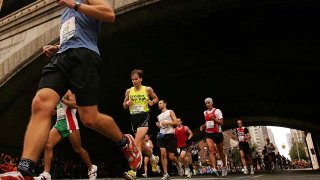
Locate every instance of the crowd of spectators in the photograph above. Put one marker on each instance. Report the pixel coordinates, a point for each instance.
(8, 163)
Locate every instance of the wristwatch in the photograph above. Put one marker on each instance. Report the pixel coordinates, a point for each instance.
(76, 5)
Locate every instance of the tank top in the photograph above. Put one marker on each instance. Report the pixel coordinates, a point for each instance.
(139, 99)
(269, 148)
(211, 126)
(181, 135)
(78, 31)
(165, 116)
(242, 134)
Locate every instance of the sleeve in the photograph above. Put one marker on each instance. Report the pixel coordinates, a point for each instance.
(218, 114)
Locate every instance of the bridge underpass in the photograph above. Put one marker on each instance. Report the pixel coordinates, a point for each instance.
(257, 60)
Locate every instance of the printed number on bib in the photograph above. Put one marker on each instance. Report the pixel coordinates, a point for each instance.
(137, 109)
(68, 30)
(60, 114)
(241, 138)
(210, 124)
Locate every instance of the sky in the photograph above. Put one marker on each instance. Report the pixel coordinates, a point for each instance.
(280, 138)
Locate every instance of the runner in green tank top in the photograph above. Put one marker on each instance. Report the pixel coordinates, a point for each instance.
(66, 126)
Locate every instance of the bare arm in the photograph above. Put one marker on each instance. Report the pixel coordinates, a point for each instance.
(126, 102)
(189, 132)
(69, 99)
(153, 97)
(97, 9)
(174, 121)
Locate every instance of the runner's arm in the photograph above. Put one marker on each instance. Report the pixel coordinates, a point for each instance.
(153, 97)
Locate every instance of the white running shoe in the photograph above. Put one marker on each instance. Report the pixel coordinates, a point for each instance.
(158, 169)
(252, 171)
(224, 171)
(43, 176)
(92, 173)
(189, 175)
(246, 171)
(214, 172)
(144, 175)
(165, 177)
(186, 171)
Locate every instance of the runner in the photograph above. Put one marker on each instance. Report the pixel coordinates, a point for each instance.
(138, 99)
(243, 138)
(212, 127)
(66, 126)
(146, 159)
(74, 65)
(183, 134)
(270, 154)
(166, 140)
(195, 149)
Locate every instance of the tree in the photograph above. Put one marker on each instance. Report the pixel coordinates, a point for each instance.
(236, 156)
(294, 153)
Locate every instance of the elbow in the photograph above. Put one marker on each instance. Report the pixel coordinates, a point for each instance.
(111, 18)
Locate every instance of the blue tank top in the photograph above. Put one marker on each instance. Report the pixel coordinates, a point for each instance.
(82, 34)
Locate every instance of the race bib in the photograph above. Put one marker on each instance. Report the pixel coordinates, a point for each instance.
(194, 152)
(60, 114)
(241, 138)
(137, 109)
(68, 30)
(210, 124)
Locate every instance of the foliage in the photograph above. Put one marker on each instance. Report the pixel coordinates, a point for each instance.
(294, 153)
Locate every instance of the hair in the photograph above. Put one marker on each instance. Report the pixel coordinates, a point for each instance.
(164, 101)
(137, 71)
(208, 99)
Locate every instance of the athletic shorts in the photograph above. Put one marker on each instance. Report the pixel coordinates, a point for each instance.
(74, 69)
(244, 146)
(216, 137)
(139, 120)
(168, 141)
(65, 128)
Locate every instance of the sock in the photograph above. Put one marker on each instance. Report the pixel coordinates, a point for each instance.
(27, 167)
(251, 167)
(153, 158)
(123, 142)
(245, 167)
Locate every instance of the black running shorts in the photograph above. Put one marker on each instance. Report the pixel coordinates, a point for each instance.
(216, 137)
(244, 146)
(168, 141)
(139, 120)
(77, 70)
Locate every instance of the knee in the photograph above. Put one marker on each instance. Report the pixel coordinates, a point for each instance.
(88, 122)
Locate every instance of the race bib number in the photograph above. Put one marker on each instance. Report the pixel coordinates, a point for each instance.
(137, 109)
(60, 114)
(68, 30)
(210, 124)
(194, 152)
(241, 138)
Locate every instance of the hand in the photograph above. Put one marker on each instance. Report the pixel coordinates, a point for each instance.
(164, 123)
(50, 50)
(202, 127)
(66, 3)
(158, 124)
(150, 102)
(129, 102)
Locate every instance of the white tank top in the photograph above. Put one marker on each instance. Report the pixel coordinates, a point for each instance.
(166, 116)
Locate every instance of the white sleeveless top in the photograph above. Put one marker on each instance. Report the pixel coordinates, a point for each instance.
(165, 116)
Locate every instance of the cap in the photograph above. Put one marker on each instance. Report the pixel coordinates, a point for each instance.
(208, 99)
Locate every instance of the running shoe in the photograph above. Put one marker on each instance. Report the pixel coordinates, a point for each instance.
(252, 171)
(132, 154)
(180, 170)
(14, 175)
(128, 176)
(189, 175)
(43, 176)
(144, 175)
(165, 177)
(224, 171)
(158, 169)
(155, 163)
(246, 171)
(92, 173)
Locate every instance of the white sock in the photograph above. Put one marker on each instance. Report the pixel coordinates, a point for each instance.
(245, 167)
(251, 167)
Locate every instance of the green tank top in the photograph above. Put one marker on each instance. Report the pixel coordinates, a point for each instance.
(140, 101)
